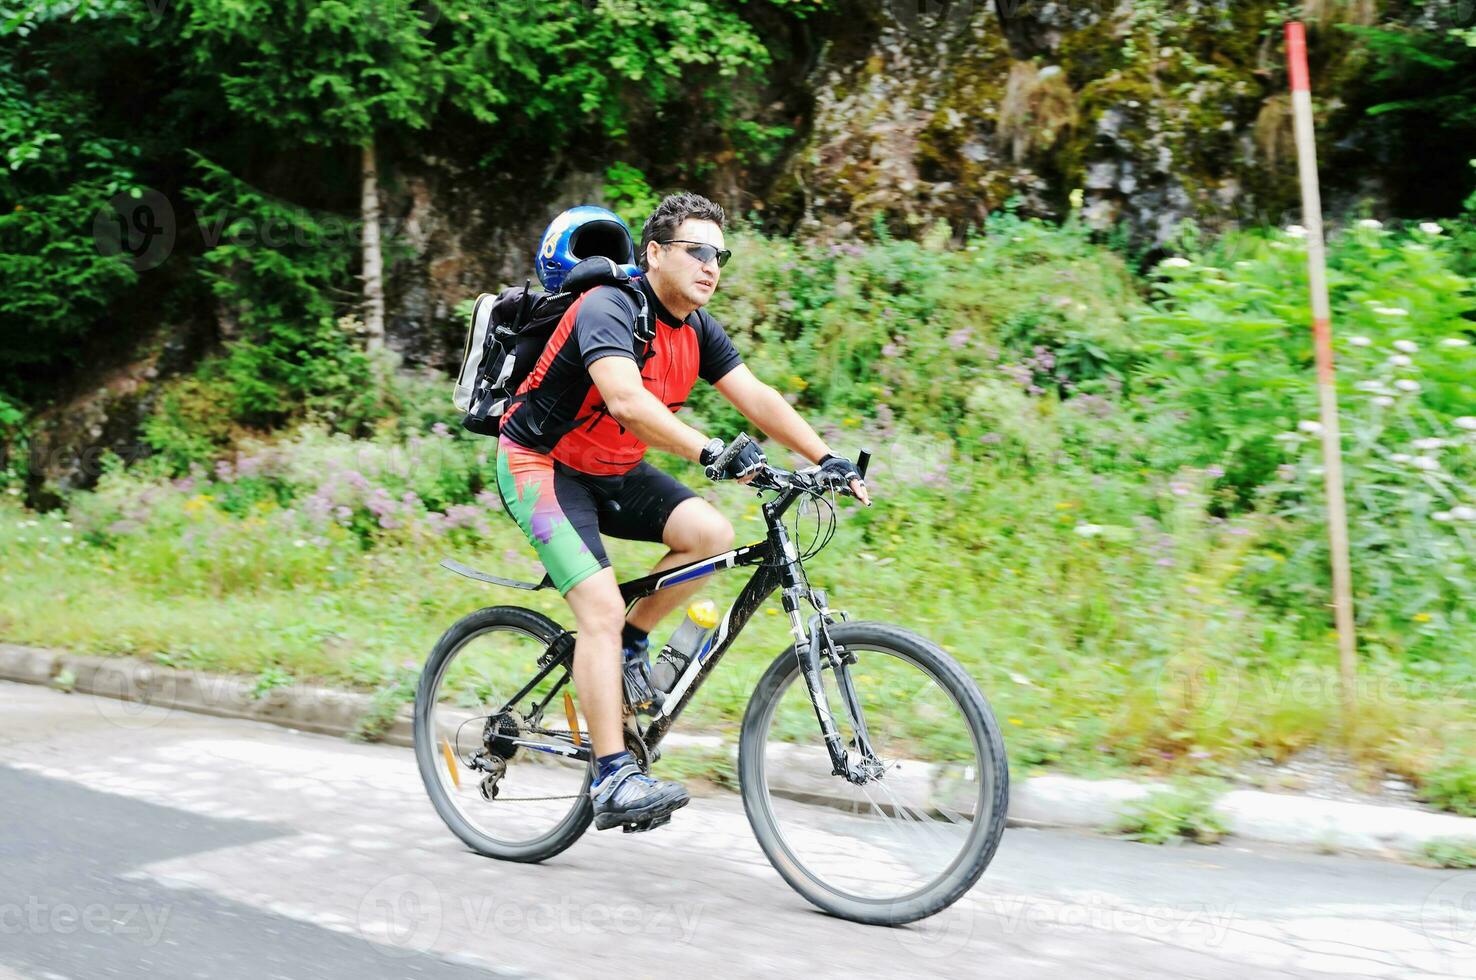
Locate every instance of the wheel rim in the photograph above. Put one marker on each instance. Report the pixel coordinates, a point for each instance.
(540, 793)
(902, 835)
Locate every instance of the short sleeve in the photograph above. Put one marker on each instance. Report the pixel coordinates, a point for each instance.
(604, 325)
(719, 356)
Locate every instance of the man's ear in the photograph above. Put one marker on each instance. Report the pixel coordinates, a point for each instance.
(652, 250)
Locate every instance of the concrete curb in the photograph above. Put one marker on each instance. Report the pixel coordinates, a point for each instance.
(1043, 801)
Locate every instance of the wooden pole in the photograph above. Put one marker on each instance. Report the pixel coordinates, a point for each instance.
(1332, 452)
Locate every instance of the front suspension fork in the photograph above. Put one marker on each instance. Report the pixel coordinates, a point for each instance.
(815, 651)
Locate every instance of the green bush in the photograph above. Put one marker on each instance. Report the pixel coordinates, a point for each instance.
(1452, 786)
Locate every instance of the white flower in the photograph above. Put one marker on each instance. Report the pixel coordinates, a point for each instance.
(1467, 422)
(1426, 463)
(13, 491)
(1400, 457)
(1441, 515)
(1430, 228)
(67, 539)
(1310, 427)
(299, 543)
(1428, 443)
(1370, 223)
(1405, 384)
(1089, 530)
(1383, 401)
(1296, 231)
(1391, 311)
(1408, 346)
(1177, 262)
(1359, 341)
(1463, 513)
(1455, 342)
(1400, 360)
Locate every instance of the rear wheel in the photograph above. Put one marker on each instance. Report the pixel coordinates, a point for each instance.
(493, 770)
(917, 833)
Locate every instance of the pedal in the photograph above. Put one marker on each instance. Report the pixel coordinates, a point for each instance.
(644, 825)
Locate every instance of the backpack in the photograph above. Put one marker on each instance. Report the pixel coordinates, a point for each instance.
(509, 331)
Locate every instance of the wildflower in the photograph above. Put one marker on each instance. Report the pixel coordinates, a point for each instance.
(1408, 346)
(1384, 401)
(1214, 472)
(1421, 617)
(1401, 457)
(890, 350)
(1296, 231)
(1391, 311)
(1400, 360)
(1179, 489)
(1177, 262)
(1463, 513)
(1286, 471)
(1371, 223)
(1359, 341)
(1443, 516)
(1429, 443)
(1405, 384)
(1089, 530)
(1310, 427)
(1426, 463)
(1455, 342)
(299, 543)
(1467, 422)
(1431, 228)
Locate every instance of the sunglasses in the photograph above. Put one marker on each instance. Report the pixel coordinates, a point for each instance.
(701, 251)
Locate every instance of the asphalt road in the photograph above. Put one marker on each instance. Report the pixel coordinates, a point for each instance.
(139, 842)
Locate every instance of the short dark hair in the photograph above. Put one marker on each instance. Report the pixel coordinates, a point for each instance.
(669, 215)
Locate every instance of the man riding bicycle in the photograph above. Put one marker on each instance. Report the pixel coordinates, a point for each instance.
(570, 463)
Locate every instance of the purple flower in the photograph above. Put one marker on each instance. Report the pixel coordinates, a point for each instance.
(223, 471)
(1214, 472)
(440, 429)
(890, 350)
(960, 338)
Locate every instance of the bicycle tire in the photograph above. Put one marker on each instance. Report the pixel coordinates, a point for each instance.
(982, 842)
(427, 753)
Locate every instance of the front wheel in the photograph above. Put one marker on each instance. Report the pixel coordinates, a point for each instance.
(913, 836)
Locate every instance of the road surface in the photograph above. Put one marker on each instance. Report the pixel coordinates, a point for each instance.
(142, 842)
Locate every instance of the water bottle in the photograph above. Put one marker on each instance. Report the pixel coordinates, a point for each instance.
(685, 643)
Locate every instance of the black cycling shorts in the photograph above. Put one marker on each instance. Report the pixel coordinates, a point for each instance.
(562, 511)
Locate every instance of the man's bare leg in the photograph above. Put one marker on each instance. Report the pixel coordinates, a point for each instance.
(694, 531)
(599, 613)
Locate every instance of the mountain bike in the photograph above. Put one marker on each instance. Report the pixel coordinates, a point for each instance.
(871, 768)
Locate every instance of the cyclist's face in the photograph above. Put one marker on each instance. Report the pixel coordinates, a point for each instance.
(679, 270)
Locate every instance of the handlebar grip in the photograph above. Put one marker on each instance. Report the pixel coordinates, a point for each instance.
(715, 469)
(863, 460)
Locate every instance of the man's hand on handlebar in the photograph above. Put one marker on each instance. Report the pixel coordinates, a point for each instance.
(740, 460)
(841, 473)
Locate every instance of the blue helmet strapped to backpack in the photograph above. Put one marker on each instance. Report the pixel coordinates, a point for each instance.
(578, 234)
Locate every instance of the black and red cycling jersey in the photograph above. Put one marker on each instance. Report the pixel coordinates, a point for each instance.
(559, 410)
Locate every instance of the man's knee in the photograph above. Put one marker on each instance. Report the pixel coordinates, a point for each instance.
(597, 605)
(699, 529)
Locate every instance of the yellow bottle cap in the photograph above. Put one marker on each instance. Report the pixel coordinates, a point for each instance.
(704, 613)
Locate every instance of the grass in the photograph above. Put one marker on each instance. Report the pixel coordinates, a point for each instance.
(1450, 853)
(1185, 812)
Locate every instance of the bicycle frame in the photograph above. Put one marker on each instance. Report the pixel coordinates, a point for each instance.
(778, 566)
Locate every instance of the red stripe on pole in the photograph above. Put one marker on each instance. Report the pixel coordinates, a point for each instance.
(1296, 57)
(1322, 337)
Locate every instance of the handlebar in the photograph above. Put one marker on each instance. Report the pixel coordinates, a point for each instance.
(810, 480)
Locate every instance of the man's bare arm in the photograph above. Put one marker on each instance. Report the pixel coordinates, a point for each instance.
(619, 381)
